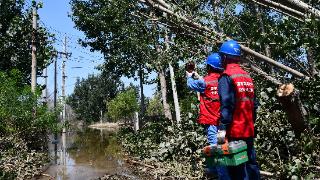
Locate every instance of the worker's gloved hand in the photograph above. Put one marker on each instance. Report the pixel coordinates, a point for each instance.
(221, 136)
(189, 74)
(195, 75)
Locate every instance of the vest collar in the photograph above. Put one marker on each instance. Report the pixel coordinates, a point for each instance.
(213, 74)
(232, 65)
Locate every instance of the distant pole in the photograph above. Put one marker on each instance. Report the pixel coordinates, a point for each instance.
(34, 49)
(55, 81)
(101, 115)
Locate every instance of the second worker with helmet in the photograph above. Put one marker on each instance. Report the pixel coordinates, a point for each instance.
(238, 108)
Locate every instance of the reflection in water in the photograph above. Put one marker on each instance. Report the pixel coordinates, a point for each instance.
(87, 154)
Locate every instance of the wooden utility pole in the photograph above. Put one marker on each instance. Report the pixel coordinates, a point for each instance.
(34, 49)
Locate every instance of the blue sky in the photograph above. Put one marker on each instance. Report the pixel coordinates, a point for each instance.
(54, 16)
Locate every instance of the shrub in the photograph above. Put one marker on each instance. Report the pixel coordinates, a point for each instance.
(24, 126)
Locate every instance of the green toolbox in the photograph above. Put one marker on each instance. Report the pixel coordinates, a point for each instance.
(228, 154)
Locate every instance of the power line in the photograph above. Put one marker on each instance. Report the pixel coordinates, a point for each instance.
(60, 32)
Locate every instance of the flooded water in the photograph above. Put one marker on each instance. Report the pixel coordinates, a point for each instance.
(86, 154)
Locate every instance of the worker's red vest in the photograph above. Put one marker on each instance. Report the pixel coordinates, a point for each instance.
(242, 125)
(209, 101)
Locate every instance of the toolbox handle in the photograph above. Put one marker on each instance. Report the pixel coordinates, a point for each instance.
(225, 146)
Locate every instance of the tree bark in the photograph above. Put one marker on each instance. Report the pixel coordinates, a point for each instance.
(163, 85)
(266, 46)
(311, 62)
(142, 104)
(299, 5)
(265, 75)
(291, 103)
(281, 8)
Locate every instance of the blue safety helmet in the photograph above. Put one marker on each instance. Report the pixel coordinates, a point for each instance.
(214, 60)
(230, 47)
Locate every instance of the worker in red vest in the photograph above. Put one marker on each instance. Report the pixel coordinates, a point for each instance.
(238, 108)
(209, 115)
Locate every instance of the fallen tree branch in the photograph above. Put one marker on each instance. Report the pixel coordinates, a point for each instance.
(280, 11)
(297, 4)
(265, 173)
(281, 7)
(139, 163)
(222, 36)
(265, 75)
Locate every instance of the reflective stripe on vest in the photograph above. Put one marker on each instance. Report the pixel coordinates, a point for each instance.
(211, 82)
(240, 75)
(245, 99)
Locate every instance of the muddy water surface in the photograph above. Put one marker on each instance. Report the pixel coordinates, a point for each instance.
(86, 154)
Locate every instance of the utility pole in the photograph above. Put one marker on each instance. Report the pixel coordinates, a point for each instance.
(64, 82)
(63, 136)
(55, 99)
(45, 91)
(55, 81)
(34, 49)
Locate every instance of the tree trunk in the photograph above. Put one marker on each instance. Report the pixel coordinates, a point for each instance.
(142, 105)
(301, 6)
(266, 46)
(163, 85)
(215, 7)
(265, 75)
(175, 94)
(291, 103)
(311, 62)
(281, 8)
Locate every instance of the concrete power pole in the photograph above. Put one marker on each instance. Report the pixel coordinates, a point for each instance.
(55, 99)
(45, 91)
(34, 49)
(64, 82)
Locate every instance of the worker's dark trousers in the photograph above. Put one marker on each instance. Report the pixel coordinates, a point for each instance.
(248, 170)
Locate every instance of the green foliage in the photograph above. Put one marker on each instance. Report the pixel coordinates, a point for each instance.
(90, 96)
(135, 39)
(123, 106)
(16, 39)
(112, 29)
(286, 154)
(21, 114)
(155, 107)
(159, 141)
(17, 161)
(24, 128)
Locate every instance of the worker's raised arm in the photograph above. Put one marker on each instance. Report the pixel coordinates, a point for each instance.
(195, 84)
(194, 81)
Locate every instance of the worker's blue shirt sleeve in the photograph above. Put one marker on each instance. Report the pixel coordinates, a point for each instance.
(196, 84)
(227, 96)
